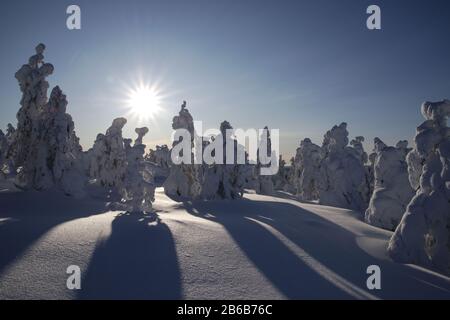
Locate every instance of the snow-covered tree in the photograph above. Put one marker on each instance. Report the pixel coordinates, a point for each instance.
(45, 148)
(358, 148)
(224, 180)
(306, 170)
(184, 179)
(138, 190)
(281, 179)
(158, 162)
(370, 172)
(392, 191)
(423, 235)
(159, 156)
(107, 158)
(118, 166)
(342, 182)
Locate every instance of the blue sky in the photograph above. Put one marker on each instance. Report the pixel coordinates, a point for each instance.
(300, 66)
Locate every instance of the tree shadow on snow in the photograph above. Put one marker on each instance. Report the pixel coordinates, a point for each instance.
(327, 263)
(137, 261)
(27, 216)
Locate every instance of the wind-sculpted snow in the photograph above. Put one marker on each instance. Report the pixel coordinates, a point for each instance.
(392, 191)
(423, 236)
(342, 180)
(259, 247)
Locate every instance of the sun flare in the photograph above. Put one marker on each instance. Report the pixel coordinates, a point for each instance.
(144, 101)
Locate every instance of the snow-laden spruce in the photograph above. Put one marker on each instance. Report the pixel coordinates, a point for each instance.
(138, 190)
(159, 156)
(342, 180)
(423, 235)
(7, 141)
(45, 150)
(158, 162)
(107, 158)
(223, 180)
(392, 191)
(184, 178)
(118, 166)
(306, 170)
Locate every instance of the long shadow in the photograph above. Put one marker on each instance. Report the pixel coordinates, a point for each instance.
(137, 261)
(26, 216)
(334, 247)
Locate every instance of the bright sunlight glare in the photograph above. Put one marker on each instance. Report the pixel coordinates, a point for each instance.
(144, 101)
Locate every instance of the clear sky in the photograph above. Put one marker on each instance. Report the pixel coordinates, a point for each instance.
(300, 66)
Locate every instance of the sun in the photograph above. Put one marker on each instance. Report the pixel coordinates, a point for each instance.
(144, 101)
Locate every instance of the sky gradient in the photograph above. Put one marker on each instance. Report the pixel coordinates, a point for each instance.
(299, 66)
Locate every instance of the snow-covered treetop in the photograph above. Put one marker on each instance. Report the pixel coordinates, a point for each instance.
(437, 111)
(57, 102)
(402, 144)
(378, 145)
(336, 138)
(116, 127)
(184, 120)
(141, 132)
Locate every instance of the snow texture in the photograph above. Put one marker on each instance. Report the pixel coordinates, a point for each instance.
(307, 170)
(423, 235)
(392, 191)
(107, 158)
(260, 247)
(342, 180)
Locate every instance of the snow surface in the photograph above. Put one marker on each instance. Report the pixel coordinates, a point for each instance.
(259, 247)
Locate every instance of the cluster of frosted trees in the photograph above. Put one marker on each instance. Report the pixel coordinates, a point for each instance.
(188, 180)
(406, 190)
(400, 189)
(43, 151)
